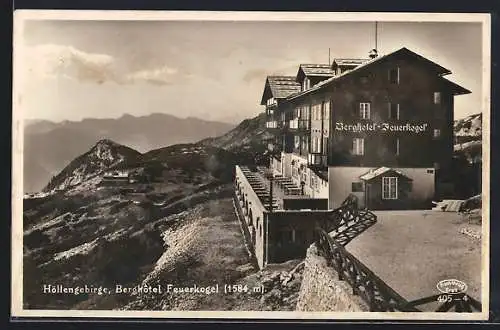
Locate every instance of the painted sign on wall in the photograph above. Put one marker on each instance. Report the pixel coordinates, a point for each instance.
(381, 127)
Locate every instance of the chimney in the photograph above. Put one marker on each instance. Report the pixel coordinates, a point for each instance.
(373, 54)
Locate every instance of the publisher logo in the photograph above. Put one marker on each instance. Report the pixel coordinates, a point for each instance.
(451, 286)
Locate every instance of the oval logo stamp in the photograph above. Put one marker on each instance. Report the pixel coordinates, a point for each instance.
(451, 286)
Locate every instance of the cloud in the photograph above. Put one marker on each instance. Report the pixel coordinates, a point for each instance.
(261, 74)
(51, 61)
(159, 76)
(257, 74)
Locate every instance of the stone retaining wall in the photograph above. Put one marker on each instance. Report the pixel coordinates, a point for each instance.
(321, 291)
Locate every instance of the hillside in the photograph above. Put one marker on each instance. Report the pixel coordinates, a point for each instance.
(178, 227)
(250, 134)
(470, 126)
(102, 156)
(45, 155)
(468, 138)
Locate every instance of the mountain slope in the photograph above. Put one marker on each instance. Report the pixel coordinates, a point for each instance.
(250, 134)
(45, 155)
(102, 156)
(468, 137)
(470, 126)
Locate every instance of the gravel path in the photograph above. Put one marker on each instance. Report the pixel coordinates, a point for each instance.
(413, 250)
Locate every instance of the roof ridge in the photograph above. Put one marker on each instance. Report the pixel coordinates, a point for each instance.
(363, 65)
(314, 64)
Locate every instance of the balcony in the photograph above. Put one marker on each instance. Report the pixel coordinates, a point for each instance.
(272, 124)
(316, 160)
(299, 125)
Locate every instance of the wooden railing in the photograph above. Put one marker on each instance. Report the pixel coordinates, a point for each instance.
(349, 214)
(378, 295)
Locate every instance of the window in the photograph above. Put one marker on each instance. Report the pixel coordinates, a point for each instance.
(316, 144)
(325, 145)
(437, 98)
(296, 141)
(316, 112)
(430, 171)
(305, 144)
(304, 113)
(326, 110)
(394, 111)
(357, 187)
(306, 84)
(437, 133)
(364, 110)
(394, 76)
(358, 146)
(389, 187)
(395, 146)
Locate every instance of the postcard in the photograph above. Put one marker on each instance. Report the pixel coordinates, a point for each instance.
(251, 165)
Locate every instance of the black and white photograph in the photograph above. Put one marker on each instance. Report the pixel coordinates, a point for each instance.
(251, 165)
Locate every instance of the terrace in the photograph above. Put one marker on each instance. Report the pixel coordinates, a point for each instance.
(286, 194)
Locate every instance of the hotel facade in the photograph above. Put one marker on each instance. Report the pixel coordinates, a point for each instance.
(379, 128)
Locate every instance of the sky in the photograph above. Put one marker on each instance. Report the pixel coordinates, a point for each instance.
(213, 70)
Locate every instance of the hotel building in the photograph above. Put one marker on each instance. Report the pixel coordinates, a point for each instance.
(380, 128)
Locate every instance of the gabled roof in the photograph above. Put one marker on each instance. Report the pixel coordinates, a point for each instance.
(279, 87)
(379, 171)
(400, 52)
(322, 70)
(349, 61)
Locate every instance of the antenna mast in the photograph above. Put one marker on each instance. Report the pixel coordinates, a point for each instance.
(329, 56)
(376, 34)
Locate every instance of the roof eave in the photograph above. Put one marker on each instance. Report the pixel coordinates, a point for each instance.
(266, 86)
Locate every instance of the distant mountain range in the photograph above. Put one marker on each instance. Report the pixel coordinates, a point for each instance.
(214, 156)
(49, 146)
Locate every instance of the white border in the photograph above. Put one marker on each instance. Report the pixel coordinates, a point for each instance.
(18, 141)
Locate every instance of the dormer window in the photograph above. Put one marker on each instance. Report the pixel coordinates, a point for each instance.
(271, 101)
(306, 84)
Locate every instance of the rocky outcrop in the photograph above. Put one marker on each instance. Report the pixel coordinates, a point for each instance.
(322, 291)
